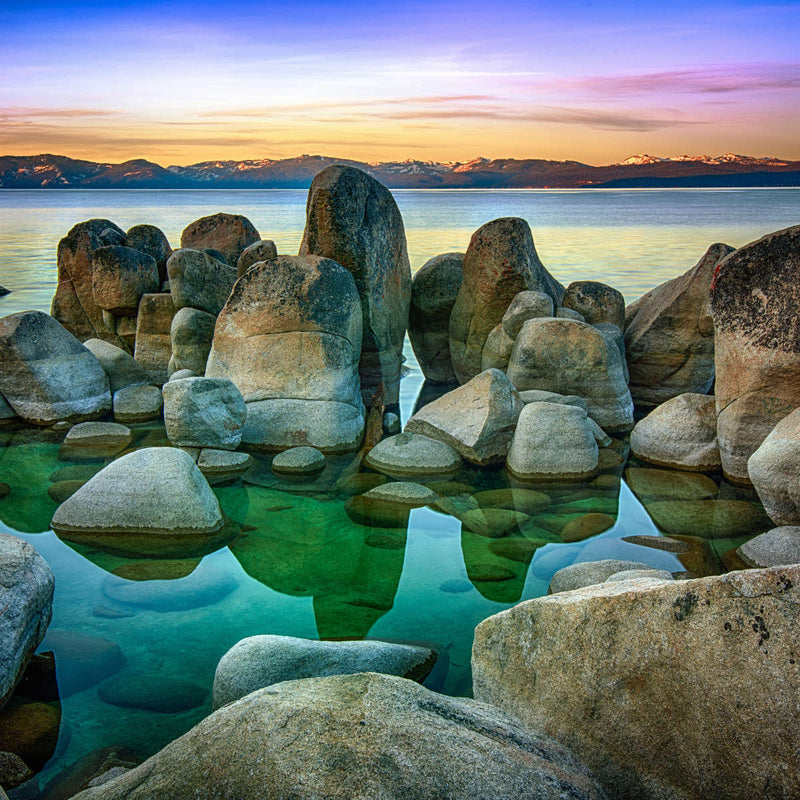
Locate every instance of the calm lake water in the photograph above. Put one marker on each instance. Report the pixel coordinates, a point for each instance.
(302, 566)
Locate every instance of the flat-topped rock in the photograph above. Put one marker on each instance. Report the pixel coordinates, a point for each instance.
(542, 396)
(137, 404)
(413, 454)
(260, 661)
(212, 462)
(628, 676)
(26, 595)
(477, 419)
(406, 493)
(375, 736)
(48, 375)
(96, 439)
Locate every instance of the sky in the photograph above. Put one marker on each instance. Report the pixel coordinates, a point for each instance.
(593, 81)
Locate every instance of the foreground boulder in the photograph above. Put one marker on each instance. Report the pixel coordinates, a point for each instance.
(260, 661)
(774, 469)
(681, 433)
(26, 597)
(204, 412)
(354, 220)
(569, 357)
(47, 374)
(73, 303)
(289, 338)
(553, 441)
(477, 419)
(364, 735)
(681, 689)
(433, 294)
(754, 300)
(669, 335)
(152, 501)
(501, 261)
(230, 234)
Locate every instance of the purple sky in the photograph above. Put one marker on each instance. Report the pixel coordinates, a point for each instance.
(593, 81)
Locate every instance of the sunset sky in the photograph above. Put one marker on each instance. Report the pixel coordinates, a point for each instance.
(182, 82)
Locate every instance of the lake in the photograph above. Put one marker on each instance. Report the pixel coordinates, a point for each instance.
(302, 565)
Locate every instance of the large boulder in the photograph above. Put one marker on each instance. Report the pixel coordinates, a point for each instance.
(354, 220)
(289, 337)
(260, 661)
(73, 303)
(754, 300)
(681, 434)
(150, 501)
(500, 262)
(552, 441)
(120, 276)
(152, 241)
(774, 470)
(230, 234)
(198, 280)
(120, 367)
(153, 340)
(570, 357)
(26, 597)
(47, 374)
(192, 332)
(596, 302)
(433, 295)
(477, 419)
(259, 251)
(348, 736)
(669, 335)
(204, 412)
(683, 690)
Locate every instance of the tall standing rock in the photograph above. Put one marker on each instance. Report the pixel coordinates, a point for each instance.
(354, 220)
(230, 234)
(669, 335)
(73, 303)
(289, 338)
(433, 295)
(754, 299)
(501, 261)
(153, 338)
(47, 375)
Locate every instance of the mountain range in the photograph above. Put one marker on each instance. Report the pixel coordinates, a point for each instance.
(640, 171)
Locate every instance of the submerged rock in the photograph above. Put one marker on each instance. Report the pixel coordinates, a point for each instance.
(48, 375)
(681, 433)
(628, 676)
(230, 234)
(353, 219)
(375, 736)
(754, 300)
(149, 501)
(669, 335)
(260, 661)
(501, 261)
(568, 357)
(413, 454)
(26, 597)
(552, 441)
(150, 692)
(477, 419)
(82, 660)
(433, 295)
(95, 440)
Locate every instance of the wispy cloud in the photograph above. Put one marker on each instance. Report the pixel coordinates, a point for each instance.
(19, 113)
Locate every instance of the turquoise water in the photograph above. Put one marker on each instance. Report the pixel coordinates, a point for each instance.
(301, 565)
